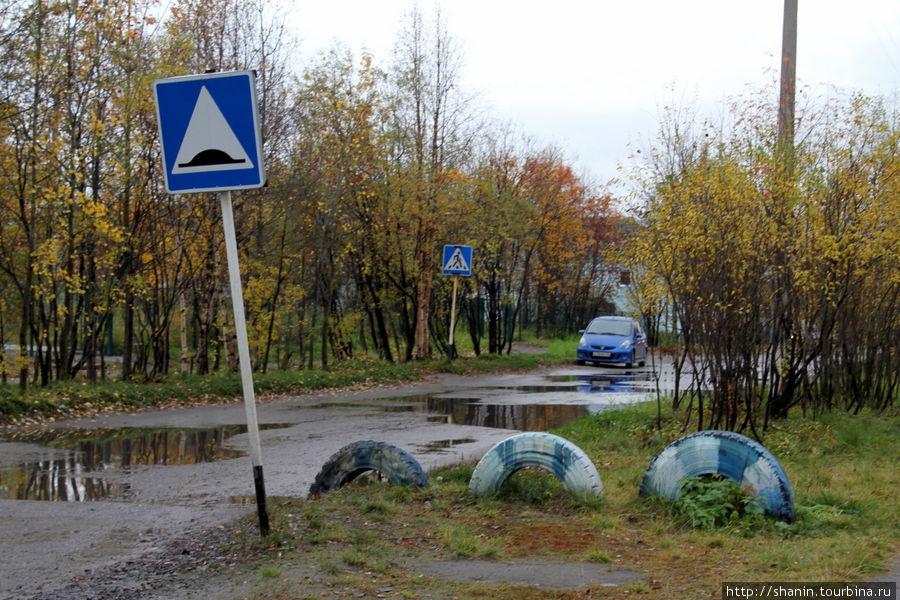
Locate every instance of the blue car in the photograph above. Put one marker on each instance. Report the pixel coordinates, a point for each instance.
(610, 340)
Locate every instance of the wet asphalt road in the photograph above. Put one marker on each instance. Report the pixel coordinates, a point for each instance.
(444, 420)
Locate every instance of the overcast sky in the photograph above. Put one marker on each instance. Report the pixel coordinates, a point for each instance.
(591, 76)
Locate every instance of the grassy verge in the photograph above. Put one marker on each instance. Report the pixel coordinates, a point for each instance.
(74, 398)
(366, 539)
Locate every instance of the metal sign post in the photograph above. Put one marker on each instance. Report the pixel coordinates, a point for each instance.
(240, 328)
(211, 142)
(451, 351)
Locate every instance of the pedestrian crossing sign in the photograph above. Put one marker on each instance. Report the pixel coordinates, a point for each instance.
(457, 260)
(209, 132)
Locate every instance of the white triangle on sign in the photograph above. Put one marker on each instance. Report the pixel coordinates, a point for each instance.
(209, 143)
(457, 261)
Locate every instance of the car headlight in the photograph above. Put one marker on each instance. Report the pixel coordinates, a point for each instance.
(582, 341)
(625, 344)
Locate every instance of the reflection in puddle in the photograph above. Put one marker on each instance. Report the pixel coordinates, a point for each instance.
(82, 472)
(524, 417)
(59, 480)
(476, 411)
(606, 384)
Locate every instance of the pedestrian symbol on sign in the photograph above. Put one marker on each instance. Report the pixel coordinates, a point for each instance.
(457, 262)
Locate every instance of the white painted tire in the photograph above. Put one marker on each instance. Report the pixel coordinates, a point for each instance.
(546, 451)
(729, 454)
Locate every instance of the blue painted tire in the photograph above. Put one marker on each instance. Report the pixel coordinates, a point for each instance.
(549, 452)
(729, 454)
(351, 461)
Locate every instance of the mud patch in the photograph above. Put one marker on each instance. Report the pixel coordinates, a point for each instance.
(438, 446)
(535, 573)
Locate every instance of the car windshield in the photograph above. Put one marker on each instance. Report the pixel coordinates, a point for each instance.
(609, 327)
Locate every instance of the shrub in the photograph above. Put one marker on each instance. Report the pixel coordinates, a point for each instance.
(711, 501)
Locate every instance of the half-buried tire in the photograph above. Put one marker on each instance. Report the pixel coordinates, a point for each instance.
(351, 461)
(549, 452)
(729, 454)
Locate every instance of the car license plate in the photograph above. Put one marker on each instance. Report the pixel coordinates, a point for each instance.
(602, 354)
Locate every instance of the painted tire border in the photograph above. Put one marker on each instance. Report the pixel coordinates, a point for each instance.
(566, 461)
(729, 454)
(356, 458)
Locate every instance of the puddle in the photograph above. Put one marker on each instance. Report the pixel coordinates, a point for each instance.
(539, 406)
(86, 462)
(475, 411)
(607, 383)
(524, 417)
(56, 480)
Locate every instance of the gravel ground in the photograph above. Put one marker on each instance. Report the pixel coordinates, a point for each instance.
(182, 568)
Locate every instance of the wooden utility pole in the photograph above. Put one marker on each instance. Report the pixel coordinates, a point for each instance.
(781, 395)
(788, 74)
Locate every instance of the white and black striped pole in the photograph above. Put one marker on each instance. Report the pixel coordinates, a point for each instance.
(240, 328)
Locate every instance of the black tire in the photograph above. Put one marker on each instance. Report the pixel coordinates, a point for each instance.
(351, 461)
(549, 452)
(729, 454)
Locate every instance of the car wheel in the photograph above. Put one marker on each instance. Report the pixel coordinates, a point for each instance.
(726, 453)
(539, 449)
(351, 461)
(630, 362)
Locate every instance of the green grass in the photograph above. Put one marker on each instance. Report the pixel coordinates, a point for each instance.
(270, 572)
(563, 348)
(464, 543)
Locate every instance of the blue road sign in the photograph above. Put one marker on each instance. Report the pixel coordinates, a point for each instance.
(209, 131)
(457, 260)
